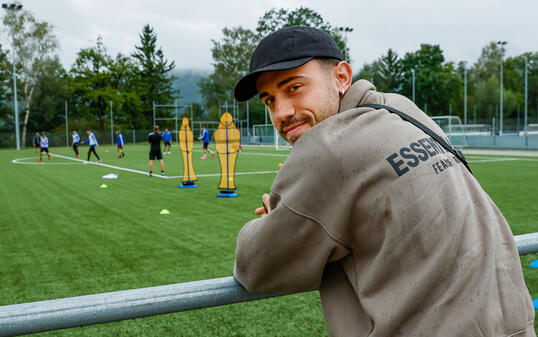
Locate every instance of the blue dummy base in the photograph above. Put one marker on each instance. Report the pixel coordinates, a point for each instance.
(188, 184)
(227, 194)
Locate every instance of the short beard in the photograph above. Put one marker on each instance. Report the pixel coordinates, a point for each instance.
(326, 110)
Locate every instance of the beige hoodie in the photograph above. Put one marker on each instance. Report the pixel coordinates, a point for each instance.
(398, 236)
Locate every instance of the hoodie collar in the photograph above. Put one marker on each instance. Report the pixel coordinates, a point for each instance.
(356, 95)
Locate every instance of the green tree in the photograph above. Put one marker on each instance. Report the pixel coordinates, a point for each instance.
(97, 79)
(124, 79)
(388, 72)
(6, 114)
(51, 92)
(34, 42)
(231, 57)
(366, 73)
(437, 84)
(153, 70)
(488, 64)
(90, 83)
(275, 19)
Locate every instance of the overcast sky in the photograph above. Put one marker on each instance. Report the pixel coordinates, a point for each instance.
(185, 28)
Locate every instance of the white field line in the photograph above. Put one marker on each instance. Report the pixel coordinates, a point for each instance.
(257, 154)
(156, 175)
(491, 160)
(106, 165)
(236, 173)
(35, 162)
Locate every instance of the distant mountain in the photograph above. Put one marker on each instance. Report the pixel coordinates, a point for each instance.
(187, 83)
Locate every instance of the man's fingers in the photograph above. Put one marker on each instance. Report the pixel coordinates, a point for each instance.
(265, 199)
(260, 211)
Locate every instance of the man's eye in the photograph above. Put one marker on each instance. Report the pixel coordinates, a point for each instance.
(269, 101)
(295, 87)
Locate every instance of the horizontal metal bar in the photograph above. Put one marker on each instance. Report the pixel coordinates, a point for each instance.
(79, 311)
(527, 243)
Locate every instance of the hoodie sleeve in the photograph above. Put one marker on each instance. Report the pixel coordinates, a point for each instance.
(284, 251)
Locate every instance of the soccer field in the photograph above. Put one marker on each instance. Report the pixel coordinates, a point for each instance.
(63, 235)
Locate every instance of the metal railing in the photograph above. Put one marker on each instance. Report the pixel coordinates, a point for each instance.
(26, 318)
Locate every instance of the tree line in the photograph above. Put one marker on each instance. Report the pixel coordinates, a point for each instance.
(439, 84)
(133, 82)
(96, 79)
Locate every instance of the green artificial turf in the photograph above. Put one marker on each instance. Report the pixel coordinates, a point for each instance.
(63, 235)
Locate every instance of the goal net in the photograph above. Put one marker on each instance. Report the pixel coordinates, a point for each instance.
(453, 128)
(266, 134)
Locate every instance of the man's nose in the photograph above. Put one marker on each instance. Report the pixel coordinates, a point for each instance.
(284, 109)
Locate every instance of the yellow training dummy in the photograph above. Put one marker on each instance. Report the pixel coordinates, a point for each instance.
(227, 142)
(186, 145)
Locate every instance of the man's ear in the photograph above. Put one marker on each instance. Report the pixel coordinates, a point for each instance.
(343, 75)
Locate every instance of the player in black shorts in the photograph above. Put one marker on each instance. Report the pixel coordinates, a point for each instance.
(37, 142)
(155, 150)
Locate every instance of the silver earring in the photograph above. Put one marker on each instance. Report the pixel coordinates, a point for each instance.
(343, 92)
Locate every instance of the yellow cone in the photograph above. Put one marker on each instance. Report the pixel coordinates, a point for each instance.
(280, 164)
(165, 211)
(104, 186)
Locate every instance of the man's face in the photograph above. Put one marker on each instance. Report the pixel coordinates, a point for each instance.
(165, 130)
(88, 132)
(299, 98)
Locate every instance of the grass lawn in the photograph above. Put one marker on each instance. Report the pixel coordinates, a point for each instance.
(63, 235)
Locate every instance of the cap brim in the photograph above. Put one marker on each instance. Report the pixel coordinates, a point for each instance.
(246, 87)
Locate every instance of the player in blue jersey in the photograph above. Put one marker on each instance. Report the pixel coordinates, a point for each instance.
(92, 140)
(167, 139)
(76, 141)
(120, 143)
(205, 138)
(44, 143)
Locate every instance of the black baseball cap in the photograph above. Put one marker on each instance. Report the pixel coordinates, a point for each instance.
(287, 48)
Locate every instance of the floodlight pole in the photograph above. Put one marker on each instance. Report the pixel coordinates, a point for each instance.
(111, 124)
(526, 97)
(176, 133)
(154, 113)
(14, 7)
(192, 119)
(413, 81)
(465, 95)
(501, 43)
(66, 126)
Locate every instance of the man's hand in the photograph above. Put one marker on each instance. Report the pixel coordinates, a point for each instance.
(266, 208)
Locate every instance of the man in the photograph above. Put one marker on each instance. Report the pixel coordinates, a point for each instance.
(205, 138)
(37, 142)
(167, 139)
(75, 142)
(92, 140)
(155, 150)
(120, 143)
(44, 144)
(392, 228)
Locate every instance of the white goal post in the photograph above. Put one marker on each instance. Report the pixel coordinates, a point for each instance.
(267, 134)
(454, 129)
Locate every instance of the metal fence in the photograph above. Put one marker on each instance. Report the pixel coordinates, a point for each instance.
(79, 311)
